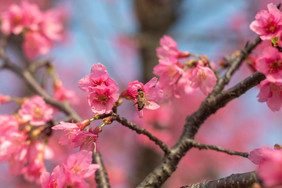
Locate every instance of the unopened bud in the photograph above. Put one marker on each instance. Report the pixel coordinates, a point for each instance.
(83, 124)
(108, 120)
(119, 102)
(277, 147)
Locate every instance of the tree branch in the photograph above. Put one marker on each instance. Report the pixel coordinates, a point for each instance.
(142, 131)
(193, 122)
(216, 148)
(235, 63)
(245, 180)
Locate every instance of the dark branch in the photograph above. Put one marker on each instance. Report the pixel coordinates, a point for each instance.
(235, 63)
(210, 105)
(216, 148)
(245, 180)
(101, 176)
(143, 131)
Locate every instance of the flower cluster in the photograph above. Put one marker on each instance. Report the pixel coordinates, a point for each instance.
(175, 77)
(71, 174)
(101, 88)
(268, 25)
(270, 162)
(75, 136)
(36, 111)
(39, 29)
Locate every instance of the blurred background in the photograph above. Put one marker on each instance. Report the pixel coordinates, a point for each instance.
(123, 35)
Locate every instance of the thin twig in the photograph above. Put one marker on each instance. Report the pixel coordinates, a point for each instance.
(245, 180)
(235, 63)
(216, 148)
(142, 131)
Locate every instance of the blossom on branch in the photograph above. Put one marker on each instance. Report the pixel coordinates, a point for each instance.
(72, 173)
(270, 64)
(204, 78)
(271, 93)
(169, 49)
(102, 89)
(151, 94)
(270, 162)
(36, 111)
(268, 24)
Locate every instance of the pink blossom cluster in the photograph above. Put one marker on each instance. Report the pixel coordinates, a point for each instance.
(268, 25)
(35, 111)
(270, 163)
(39, 29)
(101, 88)
(71, 174)
(176, 78)
(24, 155)
(75, 136)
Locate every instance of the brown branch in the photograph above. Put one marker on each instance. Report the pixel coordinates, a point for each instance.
(210, 105)
(101, 175)
(245, 180)
(63, 106)
(142, 131)
(201, 146)
(235, 63)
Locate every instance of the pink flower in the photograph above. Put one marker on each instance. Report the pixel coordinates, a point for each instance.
(73, 135)
(270, 162)
(268, 24)
(169, 72)
(57, 179)
(169, 49)
(32, 16)
(79, 166)
(270, 64)
(102, 100)
(204, 78)
(70, 132)
(144, 96)
(98, 77)
(61, 93)
(35, 43)
(51, 26)
(36, 111)
(12, 20)
(86, 140)
(271, 93)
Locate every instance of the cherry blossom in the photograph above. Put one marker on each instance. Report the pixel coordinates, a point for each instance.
(98, 77)
(57, 179)
(151, 91)
(204, 78)
(103, 99)
(270, 64)
(270, 162)
(36, 111)
(271, 93)
(169, 49)
(268, 24)
(34, 44)
(78, 166)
